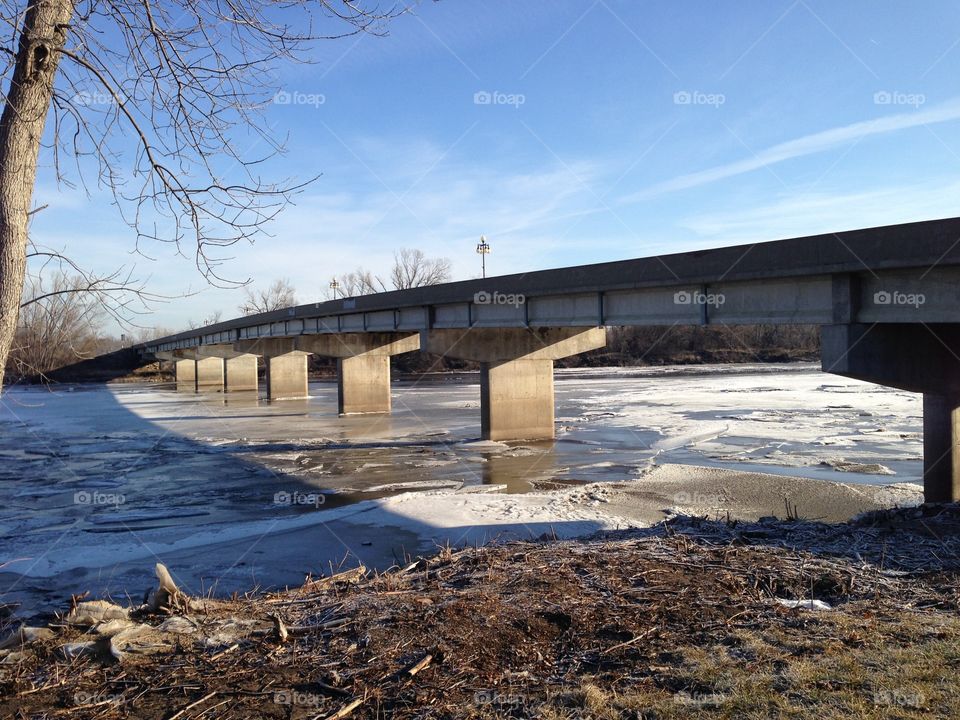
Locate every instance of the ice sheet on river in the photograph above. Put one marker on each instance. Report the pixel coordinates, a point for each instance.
(96, 481)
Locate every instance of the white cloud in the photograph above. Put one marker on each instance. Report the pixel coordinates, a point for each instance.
(806, 145)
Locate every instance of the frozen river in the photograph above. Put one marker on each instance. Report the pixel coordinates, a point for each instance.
(97, 483)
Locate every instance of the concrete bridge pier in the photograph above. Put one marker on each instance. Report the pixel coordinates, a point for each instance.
(186, 373)
(239, 369)
(209, 374)
(286, 366)
(923, 358)
(240, 373)
(516, 373)
(196, 373)
(363, 366)
(287, 376)
(941, 448)
(184, 369)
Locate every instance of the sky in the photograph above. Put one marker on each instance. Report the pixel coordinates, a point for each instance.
(577, 131)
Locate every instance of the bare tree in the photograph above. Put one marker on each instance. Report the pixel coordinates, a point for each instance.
(118, 292)
(146, 334)
(360, 282)
(59, 324)
(161, 99)
(211, 319)
(411, 268)
(279, 295)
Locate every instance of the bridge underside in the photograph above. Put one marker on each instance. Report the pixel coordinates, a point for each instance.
(918, 358)
(516, 375)
(516, 379)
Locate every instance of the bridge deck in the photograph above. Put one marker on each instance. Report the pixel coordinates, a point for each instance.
(906, 273)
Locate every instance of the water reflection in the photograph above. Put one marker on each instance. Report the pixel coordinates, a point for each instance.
(520, 469)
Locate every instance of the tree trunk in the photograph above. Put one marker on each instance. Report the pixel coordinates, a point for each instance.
(28, 100)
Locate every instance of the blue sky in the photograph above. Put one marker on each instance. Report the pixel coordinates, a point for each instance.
(577, 132)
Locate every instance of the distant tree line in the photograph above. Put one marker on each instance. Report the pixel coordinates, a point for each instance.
(676, 345)
(682, 344)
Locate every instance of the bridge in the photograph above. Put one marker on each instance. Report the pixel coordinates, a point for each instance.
(887, 300)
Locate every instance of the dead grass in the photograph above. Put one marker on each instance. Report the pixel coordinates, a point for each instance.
(630, 627)
(831, 672)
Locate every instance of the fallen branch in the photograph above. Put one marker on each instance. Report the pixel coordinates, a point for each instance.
(192, 705)
(344, 711)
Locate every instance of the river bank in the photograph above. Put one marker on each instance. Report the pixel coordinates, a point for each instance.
(691, 618)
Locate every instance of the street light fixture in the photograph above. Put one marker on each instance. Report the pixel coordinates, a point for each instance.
(483, 249)
(335, 286)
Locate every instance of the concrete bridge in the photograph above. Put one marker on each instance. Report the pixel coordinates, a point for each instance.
(888, 301)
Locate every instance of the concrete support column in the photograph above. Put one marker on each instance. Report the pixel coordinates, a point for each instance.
(363, 384)
(209, 374)
(240, 373)
(921, 358)
(941, 448)
(286, 366)
(363, 365)
(287, 376)
(186, 371)
(516, 400)
(516, 373)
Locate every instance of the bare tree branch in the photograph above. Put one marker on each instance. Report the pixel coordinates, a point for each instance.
(411, 268)
(279, 295)
(160, 102)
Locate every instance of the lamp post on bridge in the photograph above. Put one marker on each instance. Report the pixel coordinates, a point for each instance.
(483, 249)
(335, 286)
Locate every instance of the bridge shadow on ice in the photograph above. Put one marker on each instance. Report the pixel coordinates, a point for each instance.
(95, 493)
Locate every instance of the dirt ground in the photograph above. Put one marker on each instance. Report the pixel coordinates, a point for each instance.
(692, 618)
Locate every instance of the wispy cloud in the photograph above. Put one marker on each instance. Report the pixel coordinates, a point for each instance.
(806, 145)
(828, 211)
(325, 235)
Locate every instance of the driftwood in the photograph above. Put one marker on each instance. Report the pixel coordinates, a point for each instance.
(24, 635)
(347, 576)
(168, 596)
(421, 665)
(95, 611)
